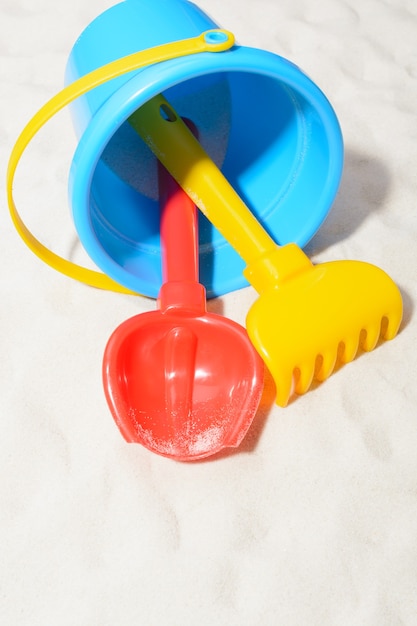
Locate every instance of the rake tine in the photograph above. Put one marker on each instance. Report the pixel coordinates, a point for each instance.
(394, 321)
(328, 361)
(371, 338)
(284, 383)
(304, 377)
(350, 348)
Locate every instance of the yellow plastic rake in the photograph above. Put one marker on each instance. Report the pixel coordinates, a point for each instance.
(307, 316)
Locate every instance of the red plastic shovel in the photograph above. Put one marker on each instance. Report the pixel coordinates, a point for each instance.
(183, 382)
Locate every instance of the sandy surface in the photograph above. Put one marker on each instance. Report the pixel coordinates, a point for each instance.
(313, 521)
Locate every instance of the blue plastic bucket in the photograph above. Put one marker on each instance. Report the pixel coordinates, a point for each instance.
(267, 125)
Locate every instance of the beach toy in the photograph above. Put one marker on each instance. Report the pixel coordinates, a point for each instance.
(265, 123)
(292, 146)
(307, 316)
(183, 382)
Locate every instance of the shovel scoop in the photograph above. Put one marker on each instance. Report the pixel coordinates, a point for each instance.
(307, 317)
(181, 381)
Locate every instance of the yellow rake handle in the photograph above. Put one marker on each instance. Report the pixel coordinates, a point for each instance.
(210, 41)
(190, 165)
(180, 152)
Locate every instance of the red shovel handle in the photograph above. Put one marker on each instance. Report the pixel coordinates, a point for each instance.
(179, 247)
(179, 235)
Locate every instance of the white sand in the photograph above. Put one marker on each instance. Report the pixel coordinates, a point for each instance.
(313, 522)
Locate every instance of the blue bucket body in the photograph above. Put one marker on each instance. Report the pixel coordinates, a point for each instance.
(262, 120)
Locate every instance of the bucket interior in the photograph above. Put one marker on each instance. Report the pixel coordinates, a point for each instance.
(271, 145)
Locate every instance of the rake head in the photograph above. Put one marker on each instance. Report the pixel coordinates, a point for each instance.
(322, 315)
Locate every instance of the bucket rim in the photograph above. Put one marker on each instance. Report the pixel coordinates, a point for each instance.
(151, 80)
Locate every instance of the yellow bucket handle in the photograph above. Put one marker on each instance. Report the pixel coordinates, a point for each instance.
(216, 40)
